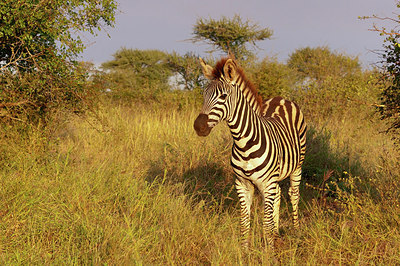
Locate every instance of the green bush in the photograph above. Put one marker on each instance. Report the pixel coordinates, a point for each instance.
(328, 82)
(39, 42)
(272, 77)
(135, 74)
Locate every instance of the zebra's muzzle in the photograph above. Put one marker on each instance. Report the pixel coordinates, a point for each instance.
(201, 125)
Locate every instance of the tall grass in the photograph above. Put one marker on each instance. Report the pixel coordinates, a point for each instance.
(135, 185)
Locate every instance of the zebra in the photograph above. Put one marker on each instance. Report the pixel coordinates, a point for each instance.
(269, 142)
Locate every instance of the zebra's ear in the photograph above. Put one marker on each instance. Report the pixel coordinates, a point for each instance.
(230, 70)
(207, 69)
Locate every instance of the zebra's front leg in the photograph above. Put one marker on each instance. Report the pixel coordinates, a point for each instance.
(271, 200)
(245, 190)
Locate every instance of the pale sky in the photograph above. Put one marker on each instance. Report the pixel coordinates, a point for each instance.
(166, 24)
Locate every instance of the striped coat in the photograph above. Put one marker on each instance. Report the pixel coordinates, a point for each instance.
(269, 141)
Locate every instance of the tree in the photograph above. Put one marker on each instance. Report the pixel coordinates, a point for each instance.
(330, 74)
(329, 81)
(230, 35)
(320, 62)
(390, 95)
(187, 68)
(137, 73)
(272, 77)
(39, 44)
(147, 66)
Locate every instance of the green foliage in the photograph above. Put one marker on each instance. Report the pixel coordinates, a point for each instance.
(389, 106)
(39, 42)
(188, 70)
(320, 63)
(148, 74)
(390, 97)
(146, 65)
(230, 35)
(31, 97)
(328, 81)
(33, 29)
(136, 73)
(272, 77)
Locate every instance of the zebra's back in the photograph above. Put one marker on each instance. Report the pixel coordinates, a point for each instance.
(289, 115)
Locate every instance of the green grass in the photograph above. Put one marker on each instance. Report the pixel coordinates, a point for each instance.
(136, 185)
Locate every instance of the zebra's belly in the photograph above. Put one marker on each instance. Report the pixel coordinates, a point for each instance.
(255, 171)
(251, 170)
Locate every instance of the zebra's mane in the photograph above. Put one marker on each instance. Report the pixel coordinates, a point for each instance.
(218, 72)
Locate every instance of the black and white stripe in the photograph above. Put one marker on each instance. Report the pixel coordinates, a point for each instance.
(269, 141)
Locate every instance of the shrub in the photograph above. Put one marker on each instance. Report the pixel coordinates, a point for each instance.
(272, 77)
(38, 48)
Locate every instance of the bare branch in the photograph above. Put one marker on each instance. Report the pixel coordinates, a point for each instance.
(383, 30)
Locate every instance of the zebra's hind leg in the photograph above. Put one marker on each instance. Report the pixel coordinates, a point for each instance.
(294, 194)
(245, 190)
(277, 204)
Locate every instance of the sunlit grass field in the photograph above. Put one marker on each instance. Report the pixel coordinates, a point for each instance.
(134, 184)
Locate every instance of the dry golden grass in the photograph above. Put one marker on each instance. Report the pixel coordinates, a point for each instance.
(136, 185)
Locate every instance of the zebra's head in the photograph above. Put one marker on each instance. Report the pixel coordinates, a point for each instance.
(219, 95)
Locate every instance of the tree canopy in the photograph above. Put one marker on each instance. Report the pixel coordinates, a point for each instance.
(320, 62)
(230, 35)
(148, 65)
(134, 73)
(272, 77)
(39, 44)
(34, 30)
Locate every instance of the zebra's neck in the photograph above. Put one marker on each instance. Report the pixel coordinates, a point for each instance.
(245, 118)
(249, 96)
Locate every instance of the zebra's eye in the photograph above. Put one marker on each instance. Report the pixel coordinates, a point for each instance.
(223, 96)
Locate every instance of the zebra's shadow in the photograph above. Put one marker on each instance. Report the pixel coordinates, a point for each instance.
(208, 182)
(212, 183)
